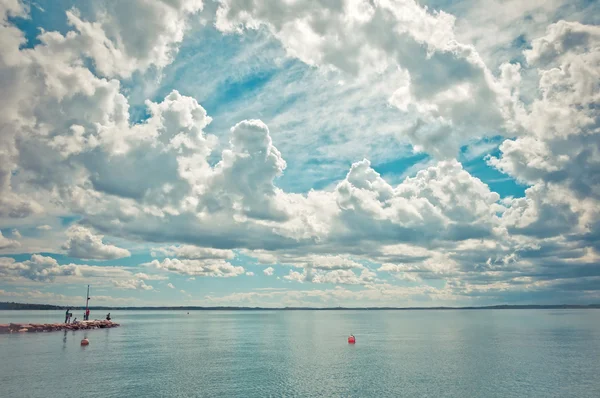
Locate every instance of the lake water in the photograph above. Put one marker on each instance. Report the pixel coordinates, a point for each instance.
(484, 353)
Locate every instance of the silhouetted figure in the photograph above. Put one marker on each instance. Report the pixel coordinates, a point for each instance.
(67, 315)
(108, 316)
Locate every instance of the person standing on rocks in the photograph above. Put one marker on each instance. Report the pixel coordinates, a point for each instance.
(67, 315)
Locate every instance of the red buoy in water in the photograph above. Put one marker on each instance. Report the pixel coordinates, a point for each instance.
(351, 340)
(85, 342)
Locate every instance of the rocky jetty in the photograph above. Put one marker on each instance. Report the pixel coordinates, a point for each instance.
(51, 327)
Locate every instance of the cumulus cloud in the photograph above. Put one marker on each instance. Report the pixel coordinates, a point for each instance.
(38, 268)
(69, 144)
(146, 277)
(405, 276)
(51, 78)
(132, 284)
(44, 227)
(82, 243)
(436, 265)
(41, 268)
(336, 277)
(307, 260)
(118, 47)
(444, 81)
(208, 268)
(562, 38)
(170, 285)
(442, 202)
(6, 243)
(190, 252)
(559, 156)
(233, 203)
(400, 271)
(392, 268)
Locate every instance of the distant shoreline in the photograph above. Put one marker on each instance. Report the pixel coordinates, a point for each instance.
(25, 306)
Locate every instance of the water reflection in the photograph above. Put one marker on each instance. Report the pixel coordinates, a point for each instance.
(305, 353)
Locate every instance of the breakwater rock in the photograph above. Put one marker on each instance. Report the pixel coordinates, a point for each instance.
(51, 327)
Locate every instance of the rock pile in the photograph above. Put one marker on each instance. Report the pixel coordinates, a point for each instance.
(51, 327)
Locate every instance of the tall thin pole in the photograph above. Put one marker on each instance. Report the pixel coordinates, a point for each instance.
(87, 299)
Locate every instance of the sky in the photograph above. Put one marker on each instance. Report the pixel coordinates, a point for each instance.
(300, 153)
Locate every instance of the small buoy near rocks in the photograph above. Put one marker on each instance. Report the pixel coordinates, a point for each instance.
(85, 342)
(351, 340)
(23, 330)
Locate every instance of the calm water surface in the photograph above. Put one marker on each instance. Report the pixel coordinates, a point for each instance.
(487, 353)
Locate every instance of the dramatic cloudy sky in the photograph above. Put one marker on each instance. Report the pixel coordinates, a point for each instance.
(300, 152)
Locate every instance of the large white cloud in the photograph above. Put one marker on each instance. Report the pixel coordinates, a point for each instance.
(443, 202)
(38, 268)
(336, 277)
(41, 268)
(210, 268)
(190, 252)
(45, 270)
(82, 243)
(120, 44)
(54, 107)
(102, 161)
(132, 284)
(560, 157)
(146, 277)
(445, 82)
(68, 144)
(6, 243)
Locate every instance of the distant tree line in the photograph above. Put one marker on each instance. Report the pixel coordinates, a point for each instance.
(25, 306)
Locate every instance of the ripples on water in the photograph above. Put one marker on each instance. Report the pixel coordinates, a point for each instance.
(487, 353)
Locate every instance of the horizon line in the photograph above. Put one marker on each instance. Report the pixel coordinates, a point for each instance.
(23, 306)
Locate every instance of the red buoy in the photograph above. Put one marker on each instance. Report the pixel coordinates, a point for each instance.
(351, 340)
(85, 342)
